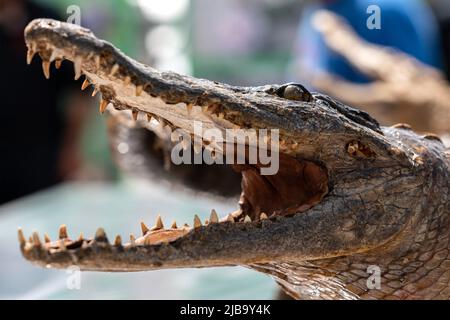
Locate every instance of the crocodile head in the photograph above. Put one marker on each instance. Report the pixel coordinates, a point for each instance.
(345, 187)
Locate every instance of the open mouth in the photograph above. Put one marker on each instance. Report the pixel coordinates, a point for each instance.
(297, 186)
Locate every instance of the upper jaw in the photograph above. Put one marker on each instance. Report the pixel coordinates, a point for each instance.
(307, 129)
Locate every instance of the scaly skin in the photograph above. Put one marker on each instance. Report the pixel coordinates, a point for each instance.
(362, 194)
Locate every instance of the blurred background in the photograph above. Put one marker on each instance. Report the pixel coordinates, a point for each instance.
(56, 165)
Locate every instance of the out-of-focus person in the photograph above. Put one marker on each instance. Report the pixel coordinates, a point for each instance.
(408, 26)
(41, 120)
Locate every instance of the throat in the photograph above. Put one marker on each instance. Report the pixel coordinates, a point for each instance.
(297, 186)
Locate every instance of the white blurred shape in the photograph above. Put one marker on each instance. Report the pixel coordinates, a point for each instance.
(123, 148)
(163, 10)
(163, 41)
(179, 63)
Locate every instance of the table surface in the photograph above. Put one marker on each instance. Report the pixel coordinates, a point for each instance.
(118, 208)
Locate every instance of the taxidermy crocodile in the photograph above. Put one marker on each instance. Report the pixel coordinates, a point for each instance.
(349, 196)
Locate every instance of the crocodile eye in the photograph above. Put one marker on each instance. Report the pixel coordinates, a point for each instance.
(293, 92)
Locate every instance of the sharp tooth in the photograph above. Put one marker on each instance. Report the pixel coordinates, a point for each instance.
(263, 216)
(127, 80)
(114, 69)
(149, 117)
(46, 68)
(189, 107)
(58, 63)
(62, 245)
(118, 241)
(63, 231)
(85, 84)
(103, 105)
(134, 114)
(47, 238)
(139, 90)
(159, 224)
(247, 219)
(30, 55)
(214, 218)
(80, 237)
(100, 235)
(22, 240)
(230, 218)
(95, 91)
(174, 225)
(197, 222)
(132, 239)
(77, 68)
(144, 228)
(36, 240)
(97, 62)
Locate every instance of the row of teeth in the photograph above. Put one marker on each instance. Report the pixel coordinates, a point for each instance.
(211, 109)
(77, 62)
(34, 241)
